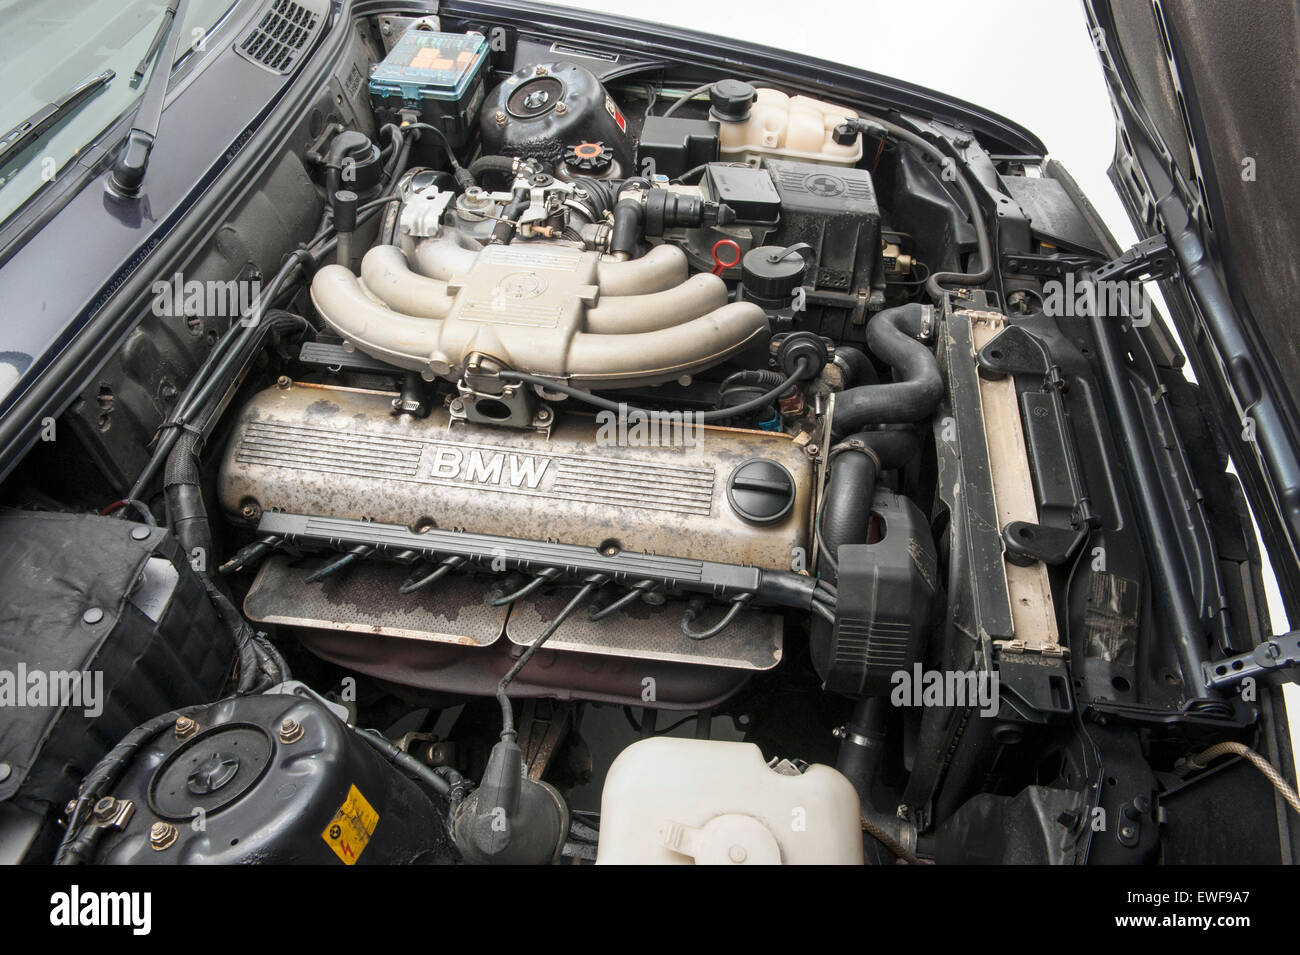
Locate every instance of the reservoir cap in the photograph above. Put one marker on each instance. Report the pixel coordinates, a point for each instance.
(729, 100)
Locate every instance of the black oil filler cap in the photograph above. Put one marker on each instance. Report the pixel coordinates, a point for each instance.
(761, 491)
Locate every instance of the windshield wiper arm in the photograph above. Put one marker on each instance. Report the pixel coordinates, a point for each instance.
(133, 157)
(34, 126)
(164, 27)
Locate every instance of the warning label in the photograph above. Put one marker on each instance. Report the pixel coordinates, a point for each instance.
(613, 110)
(349, 832)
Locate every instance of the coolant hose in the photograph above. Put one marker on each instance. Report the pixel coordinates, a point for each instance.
(861, 744)
(894, 337)
(857, 463)
(854, 366)
(861, 747)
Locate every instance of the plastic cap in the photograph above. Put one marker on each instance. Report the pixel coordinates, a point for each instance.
(730, 100)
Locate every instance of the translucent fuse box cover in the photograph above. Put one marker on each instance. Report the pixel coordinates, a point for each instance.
(427, 65)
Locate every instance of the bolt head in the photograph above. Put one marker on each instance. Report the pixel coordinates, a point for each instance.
(290, 731)
(561, 108)
(500, 117)
(162, 835)
(186, 727)
(139, 533)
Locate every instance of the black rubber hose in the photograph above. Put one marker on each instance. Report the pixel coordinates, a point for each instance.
(506, 165)
(504, 230)
(855, 366)
(599, 195)
(275, 664)
(846, 511)
(892, 336)
(629, 226)
(864, 739)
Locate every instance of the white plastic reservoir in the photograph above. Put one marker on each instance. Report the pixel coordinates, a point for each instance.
(789, 127)
(699, 802)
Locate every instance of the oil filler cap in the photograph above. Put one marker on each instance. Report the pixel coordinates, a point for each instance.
(761, 491)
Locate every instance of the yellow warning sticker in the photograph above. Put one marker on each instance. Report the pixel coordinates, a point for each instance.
(349, 832)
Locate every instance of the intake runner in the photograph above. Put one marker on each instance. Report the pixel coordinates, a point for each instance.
(542, 308)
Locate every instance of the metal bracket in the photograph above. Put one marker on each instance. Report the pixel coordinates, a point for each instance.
(1275, 653)
(1056, 265)
(111, 813)
(1149, 259)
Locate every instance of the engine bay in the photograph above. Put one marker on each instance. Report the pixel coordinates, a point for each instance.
(616, 456)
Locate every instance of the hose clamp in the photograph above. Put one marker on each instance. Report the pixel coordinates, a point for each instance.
(926, 332)
(852, 444)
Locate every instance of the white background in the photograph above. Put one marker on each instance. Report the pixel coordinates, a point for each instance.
(1032, 61)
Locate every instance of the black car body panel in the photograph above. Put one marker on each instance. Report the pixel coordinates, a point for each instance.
(1201, 94)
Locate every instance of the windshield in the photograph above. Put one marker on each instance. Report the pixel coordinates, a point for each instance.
(47, 49)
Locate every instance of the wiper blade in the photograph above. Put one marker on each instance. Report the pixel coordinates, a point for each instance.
(164, 26)
(36, 125)
(133, 157)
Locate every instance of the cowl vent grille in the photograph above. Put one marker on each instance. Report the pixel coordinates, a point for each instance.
(280, 37)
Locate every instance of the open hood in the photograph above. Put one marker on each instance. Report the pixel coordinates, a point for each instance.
(1203, 96)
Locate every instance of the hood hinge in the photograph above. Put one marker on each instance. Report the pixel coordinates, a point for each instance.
(1149, 259)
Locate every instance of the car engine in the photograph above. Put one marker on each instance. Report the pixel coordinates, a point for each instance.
(616, 458)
